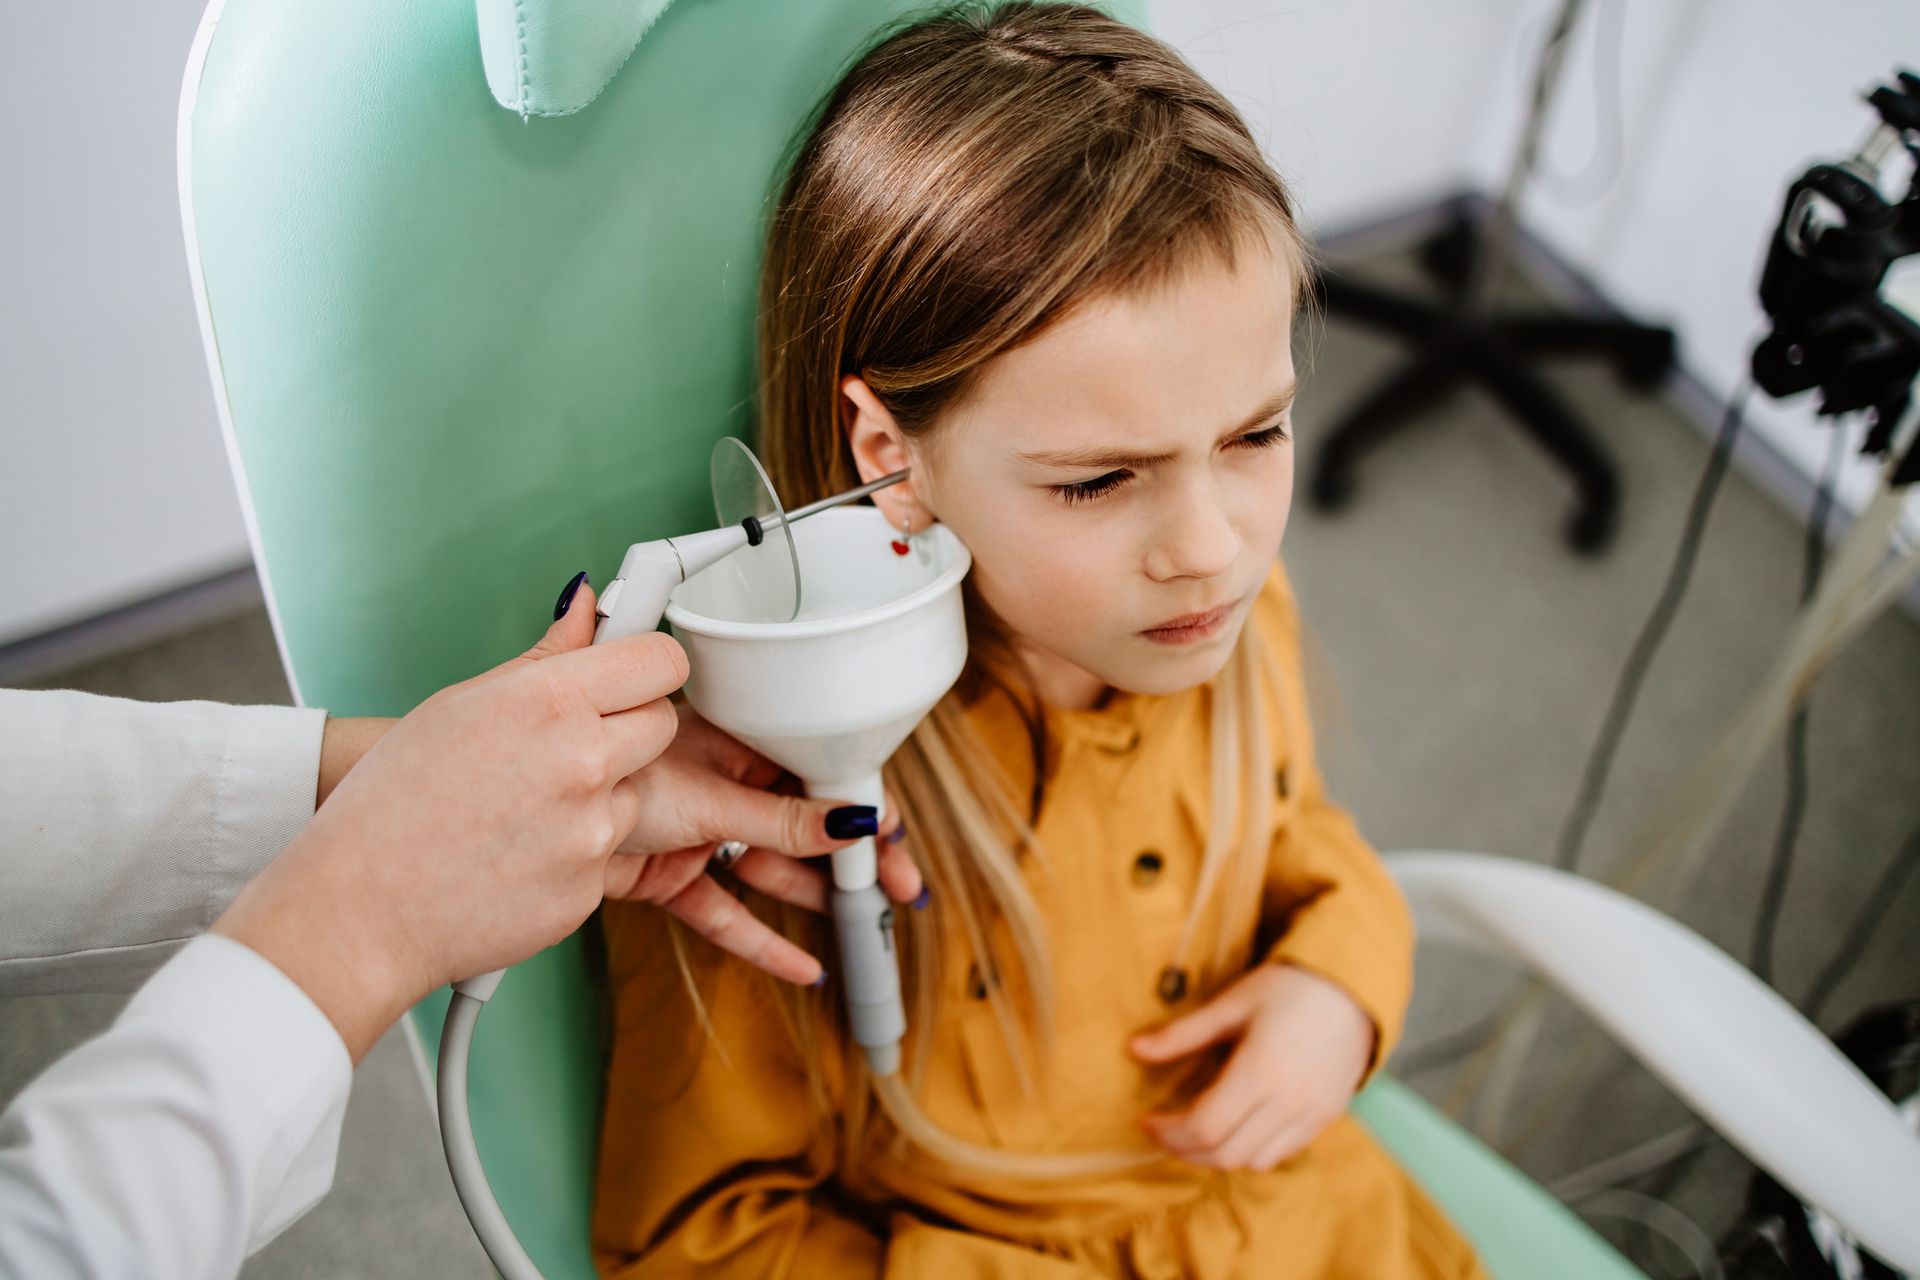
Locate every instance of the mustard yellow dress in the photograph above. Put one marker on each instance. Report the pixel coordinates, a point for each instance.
(712, 1162)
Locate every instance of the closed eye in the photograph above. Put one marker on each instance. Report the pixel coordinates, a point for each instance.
(1100, 486)
(1265, 438)
(1087, 490)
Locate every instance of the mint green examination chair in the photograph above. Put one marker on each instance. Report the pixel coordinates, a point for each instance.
(462, 350)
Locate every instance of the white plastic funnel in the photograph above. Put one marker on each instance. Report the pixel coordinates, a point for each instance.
(880, 637)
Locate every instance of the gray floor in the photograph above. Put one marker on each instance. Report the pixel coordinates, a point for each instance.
(1467, 658)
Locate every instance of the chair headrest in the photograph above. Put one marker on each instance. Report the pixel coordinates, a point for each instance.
(553, 57)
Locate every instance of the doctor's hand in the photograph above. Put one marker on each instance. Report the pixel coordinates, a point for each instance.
(708, 787)
(1302, 1047)
(473, 833)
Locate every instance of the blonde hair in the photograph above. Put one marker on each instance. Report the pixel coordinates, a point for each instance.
(973, 177)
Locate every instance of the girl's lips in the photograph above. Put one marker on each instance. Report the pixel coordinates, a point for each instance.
(1190, 627)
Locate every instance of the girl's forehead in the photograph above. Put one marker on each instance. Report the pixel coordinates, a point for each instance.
(1158, 366)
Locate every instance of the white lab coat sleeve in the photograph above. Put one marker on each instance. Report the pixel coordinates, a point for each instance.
(188, 1135)
(127, 827)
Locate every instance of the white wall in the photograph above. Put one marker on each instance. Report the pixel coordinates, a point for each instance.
(1725, 102)
(1721, 104)
(113, 478)
(1363, 107)
(113, 483)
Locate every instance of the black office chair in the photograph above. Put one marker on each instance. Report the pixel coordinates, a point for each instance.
(1462, 337)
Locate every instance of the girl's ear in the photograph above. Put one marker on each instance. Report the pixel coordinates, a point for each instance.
(880, 449)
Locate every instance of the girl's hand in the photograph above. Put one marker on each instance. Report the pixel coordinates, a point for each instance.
(708, 787)
(1303, 1047)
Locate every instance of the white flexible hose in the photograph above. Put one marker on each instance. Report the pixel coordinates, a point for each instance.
(1682, 1232)
(463, 1158)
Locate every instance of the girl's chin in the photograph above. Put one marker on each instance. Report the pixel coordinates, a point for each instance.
(1157, 670)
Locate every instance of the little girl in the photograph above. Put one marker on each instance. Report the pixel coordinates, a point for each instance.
(1033, 256)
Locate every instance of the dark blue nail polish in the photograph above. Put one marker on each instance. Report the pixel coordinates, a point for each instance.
(926, 896)
(567, 593)
(850, 822)
(898, 834)
(820, 981)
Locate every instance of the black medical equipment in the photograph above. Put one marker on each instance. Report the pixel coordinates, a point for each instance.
(1833, 330)
(1830, 329)
(1838, 235)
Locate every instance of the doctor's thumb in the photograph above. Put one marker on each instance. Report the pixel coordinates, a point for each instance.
(573, 620)
(573, 623)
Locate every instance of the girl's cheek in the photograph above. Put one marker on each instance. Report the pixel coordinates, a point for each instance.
(1043, 579)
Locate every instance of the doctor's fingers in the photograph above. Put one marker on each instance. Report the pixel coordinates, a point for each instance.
(620, 674)
(631, 740)
(711, 807)
(802, 828)
(783, 878)
(793, 881)
(724, 753)
(900, 875)
(717, 916)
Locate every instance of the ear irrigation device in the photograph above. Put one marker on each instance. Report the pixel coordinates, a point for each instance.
(826, 685)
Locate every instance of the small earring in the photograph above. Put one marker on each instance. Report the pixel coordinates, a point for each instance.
(904, 543)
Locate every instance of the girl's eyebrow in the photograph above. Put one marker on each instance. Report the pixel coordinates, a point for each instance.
(1277, 403)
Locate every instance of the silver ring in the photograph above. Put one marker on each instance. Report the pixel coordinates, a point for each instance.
(726, 853)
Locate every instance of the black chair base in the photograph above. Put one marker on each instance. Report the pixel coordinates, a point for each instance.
(1499, 349)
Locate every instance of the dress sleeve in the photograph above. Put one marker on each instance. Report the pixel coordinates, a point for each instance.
(712, 1159)
(1330, 905)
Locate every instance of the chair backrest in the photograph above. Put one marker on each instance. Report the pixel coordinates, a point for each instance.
(461, 354)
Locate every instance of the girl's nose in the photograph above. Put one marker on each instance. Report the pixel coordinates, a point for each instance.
(1197, 540)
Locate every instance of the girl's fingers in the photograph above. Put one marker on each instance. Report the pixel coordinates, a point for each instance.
(717, 916)
(1250, 1138)
(783, 878)
(1215, 1114)
(1219, 1018)
(1290, 1139)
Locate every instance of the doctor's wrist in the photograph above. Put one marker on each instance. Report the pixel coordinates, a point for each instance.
(342, 742)
(325, 937)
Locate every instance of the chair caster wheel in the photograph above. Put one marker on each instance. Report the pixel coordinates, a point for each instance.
(1332, 489)
(1646, 364)
(1590, 529)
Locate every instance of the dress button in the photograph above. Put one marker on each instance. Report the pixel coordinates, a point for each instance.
(1147, 868)
(1173, 984)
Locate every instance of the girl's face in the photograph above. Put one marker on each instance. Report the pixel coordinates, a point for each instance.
(1123, 480)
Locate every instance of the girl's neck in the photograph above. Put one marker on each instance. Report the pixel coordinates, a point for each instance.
(1059, 683)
